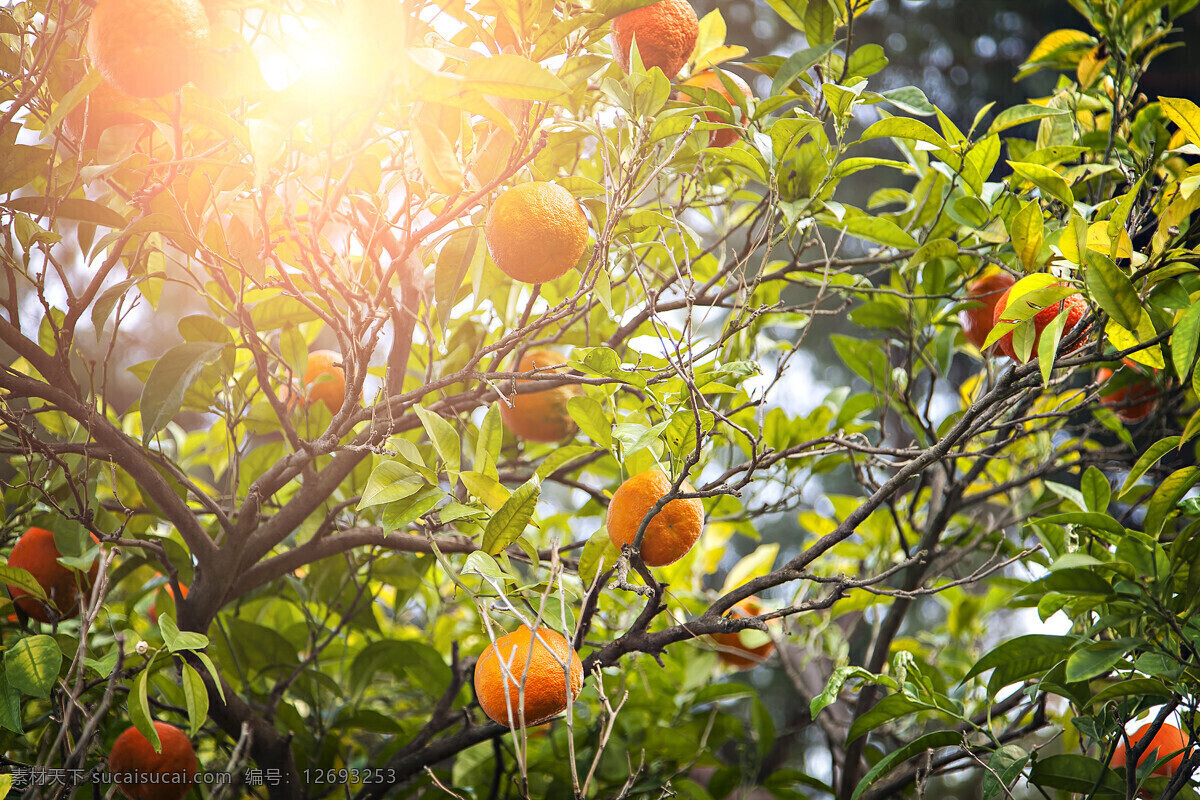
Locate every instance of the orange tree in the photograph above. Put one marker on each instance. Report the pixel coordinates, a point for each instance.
(257, 346)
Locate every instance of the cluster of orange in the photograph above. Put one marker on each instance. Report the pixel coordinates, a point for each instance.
(132, 753)
(537, 232)
(1132, 399)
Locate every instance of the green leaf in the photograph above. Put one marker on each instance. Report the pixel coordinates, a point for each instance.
(75, 208)
(1094, 660)
(878, 229)
(1186, 116)
(22, 579)
(837, 679)
(390, 481)
(278, 311)
(1020, 114)
(1004, 767)
(864, 357)
(491, 439)
(904, 128)
(1047, 345)
(1167, 496)
(894, 759)
(1074, 773)
(889, 708)
(31, 665)
(1130, 687)
(400, 514)
(1111, 289)
(196, 697)
(108, 300)
(1029, 648)
(849, 166)
(1082, 582)
(561, 457)
(866, 60)
(510, 521)
(139, 709)
(170, 378)
(1027, 232)
(598, 553)
(1184, 340)
(1148, 459)
(1046, 179)
(797, 64)
(910, 99)
(488, 489)
(444, 437)
(792, 12)
(10, 705)
(513, 76)
(819, 22)
(590, 417)
(294, 349)
(212, 670)
(177, 640)
(1096, 490)
(436, 158)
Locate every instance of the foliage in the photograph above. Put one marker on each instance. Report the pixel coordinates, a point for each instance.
(347, 565)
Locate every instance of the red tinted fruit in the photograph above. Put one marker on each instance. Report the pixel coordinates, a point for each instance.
(1073, 306)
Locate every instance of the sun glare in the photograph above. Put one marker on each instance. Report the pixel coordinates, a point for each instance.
(321, 57)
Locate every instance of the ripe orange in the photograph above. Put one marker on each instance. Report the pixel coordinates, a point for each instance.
(1134, 401)
(666, 34)
(710, 81)
(36, 552)
(147, 48)
(673, 530)
(536, 232)
(103, 108)
(730, 649)
(540, 416)
(978, 322)
(1073, 306)
(1168, 740)
(330, 391)
(502, 667)
(166, 775)
(183, 590)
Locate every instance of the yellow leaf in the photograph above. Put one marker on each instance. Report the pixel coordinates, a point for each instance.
(1185, 114)
(1057, 44)
(1091, 66)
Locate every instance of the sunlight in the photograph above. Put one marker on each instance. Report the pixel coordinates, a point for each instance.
(322, 58)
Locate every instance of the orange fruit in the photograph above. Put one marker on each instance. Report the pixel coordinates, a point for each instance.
(673, 530)
(147, 48)
(502, 667)
(977, 322)
(36, 552)
(330, 391)
(1168, 740)
(730, 649)
(710, 81)
(536, 232)
(103, 108)
(540, 416)
(183, 590)
(1073, 306)
(666, 34)
(142, 774)
(1135, 400)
